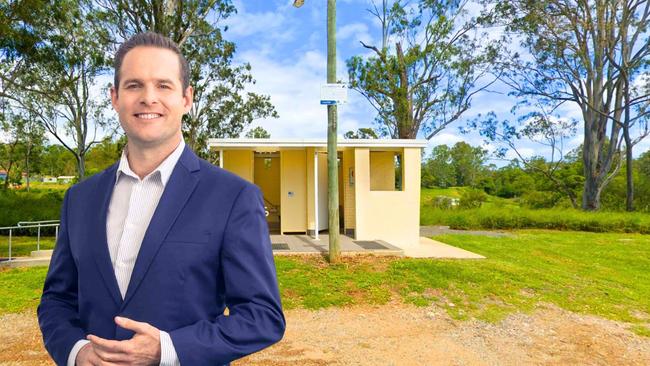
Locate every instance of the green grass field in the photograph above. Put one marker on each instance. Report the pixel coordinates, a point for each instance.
(21, 246)
(604, 274)
(47, 186)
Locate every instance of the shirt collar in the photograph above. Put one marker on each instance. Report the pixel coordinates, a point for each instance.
(164, 170)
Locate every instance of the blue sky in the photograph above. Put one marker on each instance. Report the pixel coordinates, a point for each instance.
(286, 48)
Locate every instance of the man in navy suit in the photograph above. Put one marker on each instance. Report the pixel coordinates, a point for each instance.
(152, 250)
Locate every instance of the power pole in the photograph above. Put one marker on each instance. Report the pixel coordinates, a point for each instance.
(332, 155)
(332, 160)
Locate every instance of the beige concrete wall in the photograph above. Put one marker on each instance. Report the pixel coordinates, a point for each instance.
(239, 162)
(393, 216)
(382, 168)
(294, 179)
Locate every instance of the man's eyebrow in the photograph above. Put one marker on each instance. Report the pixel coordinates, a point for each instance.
(139, 81)
(128, 81)
(165, 81)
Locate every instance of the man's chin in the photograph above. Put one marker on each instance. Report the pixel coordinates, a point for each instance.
(148, 142)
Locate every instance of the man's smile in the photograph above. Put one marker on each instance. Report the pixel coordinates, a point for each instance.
(148, 115)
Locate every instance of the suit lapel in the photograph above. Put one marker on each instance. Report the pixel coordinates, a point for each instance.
(178, 190)
(100, 245)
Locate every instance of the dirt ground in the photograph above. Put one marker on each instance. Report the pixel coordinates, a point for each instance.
(398, 334)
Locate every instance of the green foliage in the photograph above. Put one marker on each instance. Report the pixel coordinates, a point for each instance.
(258, 133)
(52, 83)
(467, 163)
(520, 218)
(29, 206)
(588, 64)
(512, 181)
(361, 133)
(222, 107)
(104, 154)
(536, 199)
(461, 165)
(22, 147)
(444, 202)
(424, 73)
(472, 198)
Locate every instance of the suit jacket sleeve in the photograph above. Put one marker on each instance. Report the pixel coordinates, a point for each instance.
(251, 292)
(58, 314)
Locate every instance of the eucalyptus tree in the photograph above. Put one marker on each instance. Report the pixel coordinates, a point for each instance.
(222, 106)
(593, 55)
(53, 70)
(431, 62)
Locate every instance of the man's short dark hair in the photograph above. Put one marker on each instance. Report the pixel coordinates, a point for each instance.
(150, 39)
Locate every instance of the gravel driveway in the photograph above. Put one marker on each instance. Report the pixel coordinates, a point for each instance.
(399, 334)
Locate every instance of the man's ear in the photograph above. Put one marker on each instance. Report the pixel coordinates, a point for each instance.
(188, 98)
(114, 97)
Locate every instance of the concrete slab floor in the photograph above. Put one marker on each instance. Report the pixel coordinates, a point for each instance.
(300, 244)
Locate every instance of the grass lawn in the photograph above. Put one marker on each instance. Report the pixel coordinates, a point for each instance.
(22, 246)
(593, 273)
(21, 288)
(46, 186)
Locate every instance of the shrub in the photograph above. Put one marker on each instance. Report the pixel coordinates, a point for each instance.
(444, 202)
(472, 198)
(29, 206)
(555, 219)
(537, 199)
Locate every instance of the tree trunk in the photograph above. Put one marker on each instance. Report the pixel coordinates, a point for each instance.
(591, 150)
(591, 194)
(81, 167)
(27, 166)
(6, 183)
(402, 100)
(629, 197)
(332, 162)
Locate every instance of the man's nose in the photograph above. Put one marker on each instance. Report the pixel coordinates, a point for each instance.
(149, 95)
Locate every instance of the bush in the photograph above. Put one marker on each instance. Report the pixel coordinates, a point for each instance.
(555, 219)
(472, 198)
(444, 202)
(29, 206)
(537, 199)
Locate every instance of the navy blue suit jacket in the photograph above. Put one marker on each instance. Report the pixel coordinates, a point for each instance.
(207, 247)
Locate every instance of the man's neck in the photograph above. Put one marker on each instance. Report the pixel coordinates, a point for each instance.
(144, 160)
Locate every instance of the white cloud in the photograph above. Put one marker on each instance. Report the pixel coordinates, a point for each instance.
(269, 28)
(294, 88)
(246, 24)
(526, 152)
(446, 138)
(354, 33)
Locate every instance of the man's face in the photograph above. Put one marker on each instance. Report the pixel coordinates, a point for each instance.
(150, 101)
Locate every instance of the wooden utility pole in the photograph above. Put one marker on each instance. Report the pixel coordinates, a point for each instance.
(332, 161)
(332, 158)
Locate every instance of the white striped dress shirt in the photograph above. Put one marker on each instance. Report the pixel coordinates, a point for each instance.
(132, 206)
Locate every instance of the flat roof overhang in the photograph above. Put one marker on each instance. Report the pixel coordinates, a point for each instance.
(320, 143)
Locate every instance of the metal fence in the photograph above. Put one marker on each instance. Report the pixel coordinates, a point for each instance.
(38, 225)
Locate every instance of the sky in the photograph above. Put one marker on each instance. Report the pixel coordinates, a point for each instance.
(287, 49)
